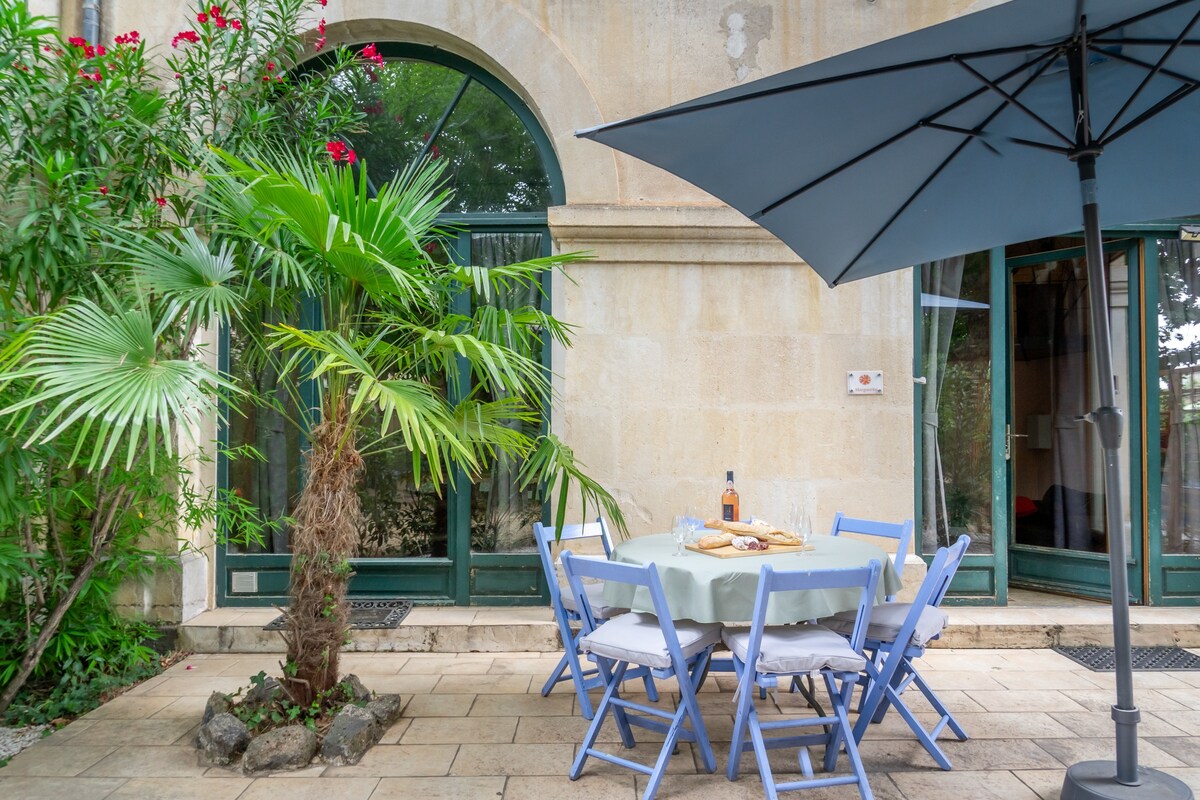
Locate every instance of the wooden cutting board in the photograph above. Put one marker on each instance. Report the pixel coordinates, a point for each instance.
(729, 551)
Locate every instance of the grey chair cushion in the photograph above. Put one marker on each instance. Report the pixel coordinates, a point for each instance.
(595, 593)
(887, 619)
(637, 638)
(796, 648)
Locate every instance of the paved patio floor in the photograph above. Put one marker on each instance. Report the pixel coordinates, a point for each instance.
(474, 726)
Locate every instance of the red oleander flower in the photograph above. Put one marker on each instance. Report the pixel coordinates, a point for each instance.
(324, 3)
(100, 51)
(321, 26)
(177, 76)
(77, 41)
(266, 78)
(220, 22)
(270, 66)
(236, 24)
(320, 43)
(185, 36)
(215, 11)
(371, 54)
(89, 51)
(127, 38)
(339, 152)
(202, 17)
(103, 190)
(162, 202)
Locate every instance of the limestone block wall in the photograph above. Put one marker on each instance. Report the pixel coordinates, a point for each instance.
(704, 344)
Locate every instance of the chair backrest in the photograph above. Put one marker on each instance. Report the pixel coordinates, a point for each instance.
(770, 580)
(579, 567)
(954, 557)
(901, 532)
(933, 589)
(544, 536)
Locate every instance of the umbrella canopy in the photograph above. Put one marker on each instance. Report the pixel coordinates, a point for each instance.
(981, 131)
(901, 152)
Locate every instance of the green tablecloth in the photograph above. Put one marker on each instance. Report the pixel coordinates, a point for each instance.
(710, 589)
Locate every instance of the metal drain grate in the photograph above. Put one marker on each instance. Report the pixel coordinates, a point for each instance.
(1145, 659)
(365, 614)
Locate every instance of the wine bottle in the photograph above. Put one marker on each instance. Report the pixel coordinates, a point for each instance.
(729, 500)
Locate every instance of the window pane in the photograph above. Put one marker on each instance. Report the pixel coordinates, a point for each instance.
(400, 520)
(273, 484)
(956, 458)
(492, 161)
(1179, 394)
(502, 515)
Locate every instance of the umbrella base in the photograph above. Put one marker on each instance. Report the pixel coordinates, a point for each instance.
(1094, 780)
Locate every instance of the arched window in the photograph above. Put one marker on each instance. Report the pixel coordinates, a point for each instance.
(472, 543)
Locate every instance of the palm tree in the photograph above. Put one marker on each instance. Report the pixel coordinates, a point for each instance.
(388, 346)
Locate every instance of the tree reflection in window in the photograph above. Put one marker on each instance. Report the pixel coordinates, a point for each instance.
(416, 108)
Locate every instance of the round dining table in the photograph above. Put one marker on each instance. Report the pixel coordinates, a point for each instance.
(706, 588)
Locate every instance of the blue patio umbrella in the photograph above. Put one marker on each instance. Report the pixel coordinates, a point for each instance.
(984, 130)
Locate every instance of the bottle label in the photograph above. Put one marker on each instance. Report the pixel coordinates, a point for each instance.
(727, 512)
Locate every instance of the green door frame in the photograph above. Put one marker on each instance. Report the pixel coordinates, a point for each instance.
(463, 578)
(1173, 579)
(982, 578)
(1042, 568)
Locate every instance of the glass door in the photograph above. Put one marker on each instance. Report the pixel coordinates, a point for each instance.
(1058, 537)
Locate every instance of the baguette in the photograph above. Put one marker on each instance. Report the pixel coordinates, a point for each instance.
(714, 541)
(763, 531)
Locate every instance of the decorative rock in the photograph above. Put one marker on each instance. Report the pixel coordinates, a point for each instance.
(352, 731)
(357, 690)
(262, 694)
(283, 748)
(222, 739)
(386, 709)
(217, 704)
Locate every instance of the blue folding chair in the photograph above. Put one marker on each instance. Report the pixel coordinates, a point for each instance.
(897, 636)
(668, 648)
(566, 611)
(762, 655)
(900, 532)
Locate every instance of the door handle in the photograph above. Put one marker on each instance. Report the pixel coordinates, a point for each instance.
(1008, 437)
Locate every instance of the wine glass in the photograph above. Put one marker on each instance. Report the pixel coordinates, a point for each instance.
(693, 522)
(679, 532)
(799, 522)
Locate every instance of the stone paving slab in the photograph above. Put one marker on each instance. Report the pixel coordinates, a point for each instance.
(475, 726)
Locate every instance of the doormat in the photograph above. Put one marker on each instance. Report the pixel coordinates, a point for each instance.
(364, 615)
(1145, 659)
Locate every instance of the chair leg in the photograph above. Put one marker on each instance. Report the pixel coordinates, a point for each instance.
(651, 689)
(612, 681)
(839, 701)
(939, 706)
(555, 676)
(699, 729)
(741, 718)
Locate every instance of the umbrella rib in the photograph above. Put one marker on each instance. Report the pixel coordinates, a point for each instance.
(946, 162)
(926, 122)
(676, 111)
(1139, 17)
(1154, 110)
(1149, 76)
(1012, 99)
(1137, 62)
(903, 206)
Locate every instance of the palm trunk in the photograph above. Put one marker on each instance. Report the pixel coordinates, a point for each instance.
(325, 537)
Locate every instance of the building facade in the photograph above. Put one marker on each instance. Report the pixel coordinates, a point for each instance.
(703, 344)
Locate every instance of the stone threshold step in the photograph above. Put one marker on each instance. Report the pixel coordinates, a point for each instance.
(488, 630)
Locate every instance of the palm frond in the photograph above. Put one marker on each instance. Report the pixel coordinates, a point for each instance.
(552, 462)
(106, 371)
(183, 270)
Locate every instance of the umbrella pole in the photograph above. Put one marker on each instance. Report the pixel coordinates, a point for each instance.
(1096, 780)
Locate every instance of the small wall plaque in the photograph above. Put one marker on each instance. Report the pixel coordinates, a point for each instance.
(869, 381)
